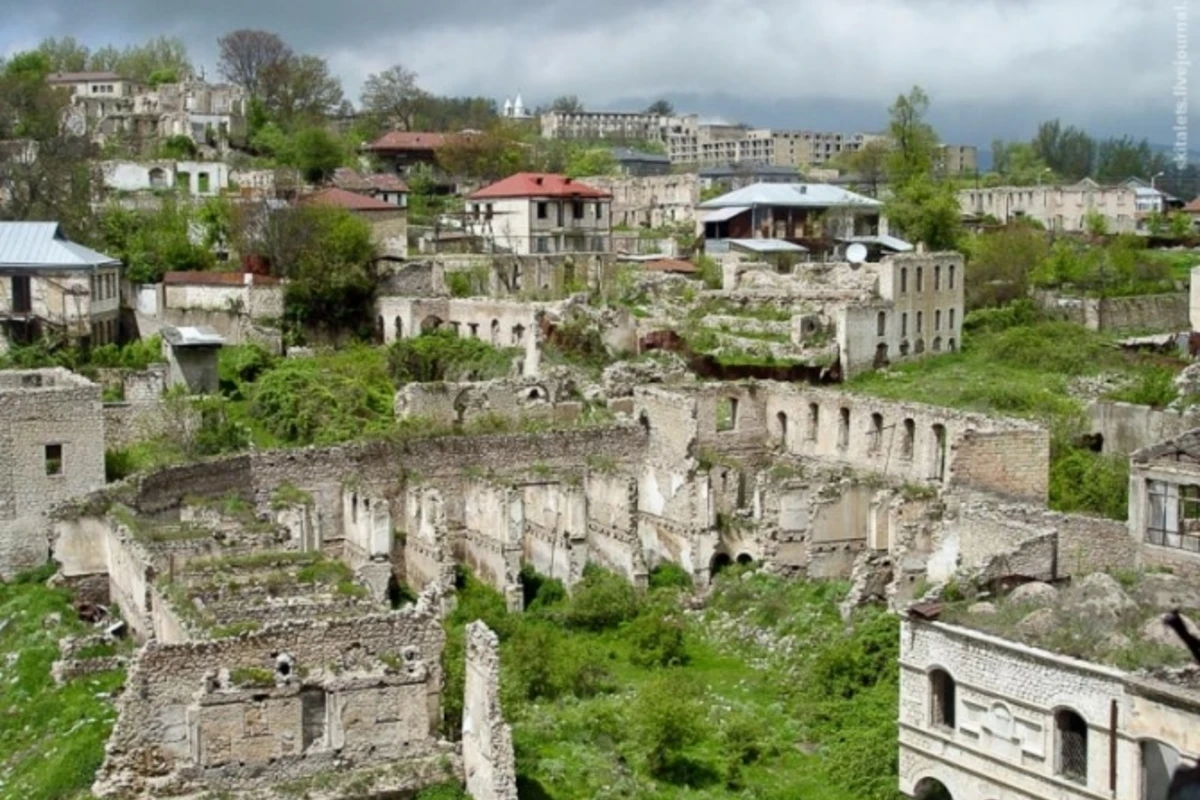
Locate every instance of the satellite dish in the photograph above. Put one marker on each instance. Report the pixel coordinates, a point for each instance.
(856, 253)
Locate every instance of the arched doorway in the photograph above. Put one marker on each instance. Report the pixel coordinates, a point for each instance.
(431, 323)
(781, 418)
(932, 789)
(720, 561)
(745, 560)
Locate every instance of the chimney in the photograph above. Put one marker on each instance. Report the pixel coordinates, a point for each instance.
(538, 180)
(567, 181)
(803, 188)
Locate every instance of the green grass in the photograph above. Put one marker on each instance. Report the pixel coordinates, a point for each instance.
(1012, 364)
(711, 715)
(53, 736)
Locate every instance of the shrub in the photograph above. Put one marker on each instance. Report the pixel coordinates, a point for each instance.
(993, 320)
(119, 464)
(658, 640)
(1155, 387)
(602, 600)
(669, 575)
(441, 355)
(668, 719)
(538, 590)
(1081, 480)
(1055, 347)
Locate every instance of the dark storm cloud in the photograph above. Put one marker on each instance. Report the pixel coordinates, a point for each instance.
(1078, 58)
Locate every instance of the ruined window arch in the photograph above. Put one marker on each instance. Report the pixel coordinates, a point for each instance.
(1158, 764)
(939, 452)
(937, 344)
(920, 279)
(881, 323)
(904, 348)
(399, 323)
(942, 691)
(876, 441)
(951, 271)
(431, 323)
(904, 324)
(745, 559)
(495, 332)
(937, 278)
(932, 789)
(937, 319)
(782, 419)
(720, 561)
(380, 333)
(158, 178)
(1071, 744)
(518, 335)
(881, 355)
(843, 427)
(910, 436)
(919, 347)
(354, 508)
(950, 319)
(814, 421)
(903, 280)
(920, 321)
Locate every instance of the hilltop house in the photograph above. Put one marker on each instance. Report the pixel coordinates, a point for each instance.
(814, 216)
(50, 285)
(534, 212)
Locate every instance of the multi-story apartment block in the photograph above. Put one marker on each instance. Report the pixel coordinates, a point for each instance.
(608, 125)
(957, 159)
(1059, 208)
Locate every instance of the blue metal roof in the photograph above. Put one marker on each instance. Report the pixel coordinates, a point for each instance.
(798, 195)
(767, 245)
(42, 245)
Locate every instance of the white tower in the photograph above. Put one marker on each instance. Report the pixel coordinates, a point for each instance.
(508, 106)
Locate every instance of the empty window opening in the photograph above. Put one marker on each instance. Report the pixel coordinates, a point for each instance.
(919, 347)
(474, 329)
(950, 319)
(920, 279)
(939, 452)
(937, 319)
(354, 509)
(942, 694)
(726, 414)
(920, 321)
(937, 344)
(1071, 761)
(644, 421)
(577, 210)
(881, 355)
(312, 718)
(781, 418)
(951, 345)
(880, 324)
(541, 210)
(932, 789)
(903, 280)
(54, 459)
(904, 348)
(1159, 762)
(910, 436)
(937, 278)
(904, 324)
(202, 181)
(951, 268)
(876, 441)
(745, 559)
(518, 335)
(814, 421)
(495, 331)
(843, 427)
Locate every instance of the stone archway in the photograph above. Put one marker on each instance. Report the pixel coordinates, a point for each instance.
(931, 789)
(720, 562)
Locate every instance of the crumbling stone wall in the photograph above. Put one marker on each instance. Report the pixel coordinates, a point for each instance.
(1125, 427)
(51, 450)
(356, 693)
(521, 400)
(488, 759)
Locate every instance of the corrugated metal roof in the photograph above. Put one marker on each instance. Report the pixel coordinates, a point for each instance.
(767, 245)
(890, 242)
(799, 195)
(722, 214)
(42, 245)
(200, 336)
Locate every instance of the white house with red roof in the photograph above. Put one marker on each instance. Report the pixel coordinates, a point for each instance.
(541, 213)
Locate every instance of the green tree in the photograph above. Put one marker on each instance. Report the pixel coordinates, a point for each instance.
(1179, 224)
(64, 55)
(590, 161)
(869, 164)
(661, 107)
(306, 92)
(153, 243)
(393, 97)
(567, 104)
(1119, 159)
(1068, 151)
(161, 60)
(914, 142)
(455, 114)
(927, 211)
(316, 153)
(1000, 264)
(668, 719)
(256, 60)
(487, 156)
(1095, 223)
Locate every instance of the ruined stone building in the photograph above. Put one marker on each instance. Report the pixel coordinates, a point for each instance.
(51, 450)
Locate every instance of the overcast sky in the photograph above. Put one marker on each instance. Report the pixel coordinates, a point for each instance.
(991, 67)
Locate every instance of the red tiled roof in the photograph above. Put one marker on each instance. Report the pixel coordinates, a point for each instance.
(537, 184)
(350, 180)
(216, 279)
(1193, 207)
(408, 140)
(671, 265)
(351, 201)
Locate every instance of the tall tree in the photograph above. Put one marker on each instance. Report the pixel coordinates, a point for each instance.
(455, 114)
(486, 156)
(661, 107)
(1119, 159)
(914, 142)
(393, 96)
(567, 104)
(65, 54)
(306, 90)
(163, 59)
(248, 58)
(1068, 151)
(869, 164)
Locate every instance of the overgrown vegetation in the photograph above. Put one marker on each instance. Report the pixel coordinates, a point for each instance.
(53, 735)
(442, 355)
(615, 695)
(1012, 362)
